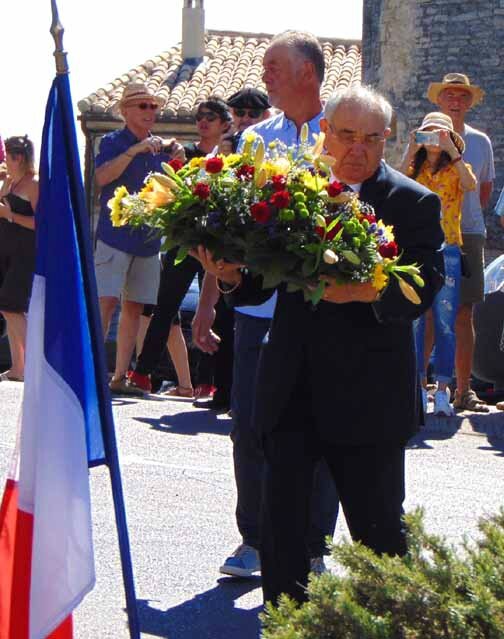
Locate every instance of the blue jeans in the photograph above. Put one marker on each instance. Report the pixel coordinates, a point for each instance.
(248, 456)
(444, 314)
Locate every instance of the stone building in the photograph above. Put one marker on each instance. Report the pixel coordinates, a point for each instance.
(408, 43)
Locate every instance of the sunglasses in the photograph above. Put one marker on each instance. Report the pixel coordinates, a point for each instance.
(206, 115)
(143, 106)
(252, 113)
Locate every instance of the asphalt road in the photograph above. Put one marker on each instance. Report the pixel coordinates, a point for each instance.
(179, 490)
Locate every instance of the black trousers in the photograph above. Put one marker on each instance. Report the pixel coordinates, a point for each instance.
(370, 484)
(173, 286)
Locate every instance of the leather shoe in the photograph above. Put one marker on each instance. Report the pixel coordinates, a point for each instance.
(215, 403)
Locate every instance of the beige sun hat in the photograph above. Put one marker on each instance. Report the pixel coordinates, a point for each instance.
(455, 81)
(437, 120)
(135, 91)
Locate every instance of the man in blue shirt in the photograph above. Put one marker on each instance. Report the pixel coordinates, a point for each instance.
(126, 260)
(293, 72)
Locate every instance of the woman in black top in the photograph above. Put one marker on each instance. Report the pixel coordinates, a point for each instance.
(19, 196)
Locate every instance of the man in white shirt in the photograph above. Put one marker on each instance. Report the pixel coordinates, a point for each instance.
(455, 96)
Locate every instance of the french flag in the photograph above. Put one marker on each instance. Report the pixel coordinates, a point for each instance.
(46, 547)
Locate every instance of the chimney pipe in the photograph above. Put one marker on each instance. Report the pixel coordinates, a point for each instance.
(193, 31)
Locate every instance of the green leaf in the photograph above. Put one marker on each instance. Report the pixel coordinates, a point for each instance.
(333, 223)
(309, 266)
(181, 255)
(273, 279)
(316, 295)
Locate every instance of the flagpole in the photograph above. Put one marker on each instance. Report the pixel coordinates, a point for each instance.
(96, 335)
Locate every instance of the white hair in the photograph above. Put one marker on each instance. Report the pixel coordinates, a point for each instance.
(363, 95)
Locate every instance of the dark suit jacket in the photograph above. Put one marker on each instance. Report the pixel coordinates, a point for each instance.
(350, 369)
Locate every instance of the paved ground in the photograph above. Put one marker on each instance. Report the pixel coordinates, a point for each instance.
(178, 483)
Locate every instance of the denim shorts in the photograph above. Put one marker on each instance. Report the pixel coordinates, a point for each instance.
(126, 276)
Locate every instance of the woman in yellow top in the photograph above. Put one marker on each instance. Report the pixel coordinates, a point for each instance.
(434, 158)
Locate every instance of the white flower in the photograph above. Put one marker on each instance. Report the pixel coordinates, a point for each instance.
(330, 257)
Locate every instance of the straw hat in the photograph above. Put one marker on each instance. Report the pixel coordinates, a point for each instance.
(440, 121)
(135, 91)
(455, 81)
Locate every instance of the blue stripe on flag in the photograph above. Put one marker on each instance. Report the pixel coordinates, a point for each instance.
(67, 343)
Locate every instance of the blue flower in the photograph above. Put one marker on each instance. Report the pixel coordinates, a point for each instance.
(214, 219)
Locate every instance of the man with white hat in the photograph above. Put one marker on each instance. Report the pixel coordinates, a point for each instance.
(455, 96)
(126, 260)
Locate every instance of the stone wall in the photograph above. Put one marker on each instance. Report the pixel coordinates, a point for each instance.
(409, 43)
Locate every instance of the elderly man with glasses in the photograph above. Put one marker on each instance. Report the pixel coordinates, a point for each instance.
(126, 260)
(319, 361)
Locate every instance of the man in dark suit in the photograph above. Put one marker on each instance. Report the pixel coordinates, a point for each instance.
(325, 375)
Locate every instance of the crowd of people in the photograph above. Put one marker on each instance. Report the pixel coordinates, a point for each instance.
(278, 366)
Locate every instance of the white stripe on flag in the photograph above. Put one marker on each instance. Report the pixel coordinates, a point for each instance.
(53, 483)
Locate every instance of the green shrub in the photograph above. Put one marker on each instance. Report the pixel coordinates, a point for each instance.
(431, 593)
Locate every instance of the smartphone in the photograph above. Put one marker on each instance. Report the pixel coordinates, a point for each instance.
(427, 137)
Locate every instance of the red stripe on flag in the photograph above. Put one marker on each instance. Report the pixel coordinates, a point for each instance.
(8, 518)
(16, 535)
(64, 631)
(21, 578)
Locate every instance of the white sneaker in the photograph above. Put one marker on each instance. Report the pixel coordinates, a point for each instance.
(317, 566)
(425, 400)
(244, 562)
(442, 404)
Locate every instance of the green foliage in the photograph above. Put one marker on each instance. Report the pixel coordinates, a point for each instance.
(434, 592)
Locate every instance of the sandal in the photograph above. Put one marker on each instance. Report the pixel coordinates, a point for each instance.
(180, 391)
(6, 377)
(468, 400)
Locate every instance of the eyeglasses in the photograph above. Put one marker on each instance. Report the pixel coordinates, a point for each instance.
(348, 138)
(143, 106)
(252, 113)
(206, 115)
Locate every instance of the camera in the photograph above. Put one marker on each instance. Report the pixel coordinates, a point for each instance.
(427, 137)
(168, 148)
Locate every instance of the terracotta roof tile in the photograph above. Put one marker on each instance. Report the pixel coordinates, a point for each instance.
(231, 61)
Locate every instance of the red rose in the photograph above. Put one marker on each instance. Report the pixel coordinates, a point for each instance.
(335, 188)
(214, 165)
(319, 230)
(388, 250)
(279, 182)
(280, 199)
(245, 172)
(261, 212)
(201, 190)
(370, 217)
(176, 164)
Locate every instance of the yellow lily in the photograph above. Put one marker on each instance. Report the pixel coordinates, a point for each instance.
(259, 155)
(165, 181)
(409, 292)
(156, 195)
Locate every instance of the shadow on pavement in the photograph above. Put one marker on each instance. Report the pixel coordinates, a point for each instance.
(496, 445)
(190, 423)
(421, 439)
(489, 425)
(209, 615)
